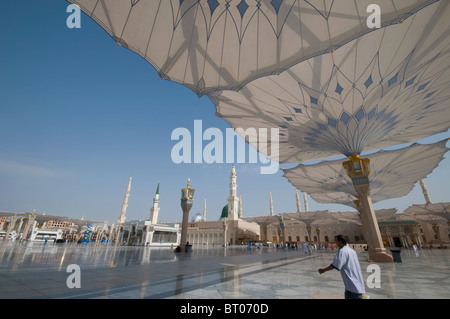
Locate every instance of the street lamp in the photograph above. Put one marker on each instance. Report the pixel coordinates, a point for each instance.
(187, 199)
(187, 193)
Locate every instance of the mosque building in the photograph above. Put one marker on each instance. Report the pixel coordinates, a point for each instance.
(320, 227)
(423, 225)
(230, 228)
(147, 232)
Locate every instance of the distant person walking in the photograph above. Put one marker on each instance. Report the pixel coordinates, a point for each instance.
(346, 261)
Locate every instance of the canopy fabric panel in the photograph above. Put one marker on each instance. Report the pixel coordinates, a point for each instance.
(389, 87)
(223, 44)
(393, 174)
(385, 214)
(321, 217)
(314, 218)
(432, 212)
(264, 220)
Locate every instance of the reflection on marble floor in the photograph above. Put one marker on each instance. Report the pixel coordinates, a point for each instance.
(121, 272)
(407, 280)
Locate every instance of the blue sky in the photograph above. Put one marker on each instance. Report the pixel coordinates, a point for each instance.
(80, 115)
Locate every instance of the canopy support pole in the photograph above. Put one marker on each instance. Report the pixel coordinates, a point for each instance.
(358, 170)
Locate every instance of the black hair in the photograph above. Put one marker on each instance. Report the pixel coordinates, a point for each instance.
(342, 239)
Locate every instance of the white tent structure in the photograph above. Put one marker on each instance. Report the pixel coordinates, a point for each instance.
(435, 214)
(430, 212)
(223, 44)
(314, 219)
(313, 69)
(393, 174)
(384, 214)
(388, 87)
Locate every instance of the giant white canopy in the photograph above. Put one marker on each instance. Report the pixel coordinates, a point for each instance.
(393, 174)
(388, 87)
(431, 213)
(223, 44)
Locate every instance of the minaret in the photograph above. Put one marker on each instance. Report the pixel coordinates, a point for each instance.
(240, 206)
(154, 211)
(425, 192)
(204, 211)
(299, 207)
(271, 204)
(233, 199)
(122, 217)
(306, 202)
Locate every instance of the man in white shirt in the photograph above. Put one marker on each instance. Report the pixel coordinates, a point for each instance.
(346, 261)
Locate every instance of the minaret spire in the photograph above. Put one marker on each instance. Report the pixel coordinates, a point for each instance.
(271, 204)
(233, 185)
(425, 192)
(233, 199)
(204, 211)
(154, 211)
(299, 207)
(240, 206)
(122, 217)
(306, 202)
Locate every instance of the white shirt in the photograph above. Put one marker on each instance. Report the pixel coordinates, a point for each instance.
(346, 261)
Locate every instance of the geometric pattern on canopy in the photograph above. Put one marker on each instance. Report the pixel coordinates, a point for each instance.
(388, 87)
(393, 174)
(223, 44)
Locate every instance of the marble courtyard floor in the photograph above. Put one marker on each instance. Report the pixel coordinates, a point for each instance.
(118, 272)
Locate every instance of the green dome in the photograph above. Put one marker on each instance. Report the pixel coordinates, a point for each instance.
(224, 212)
